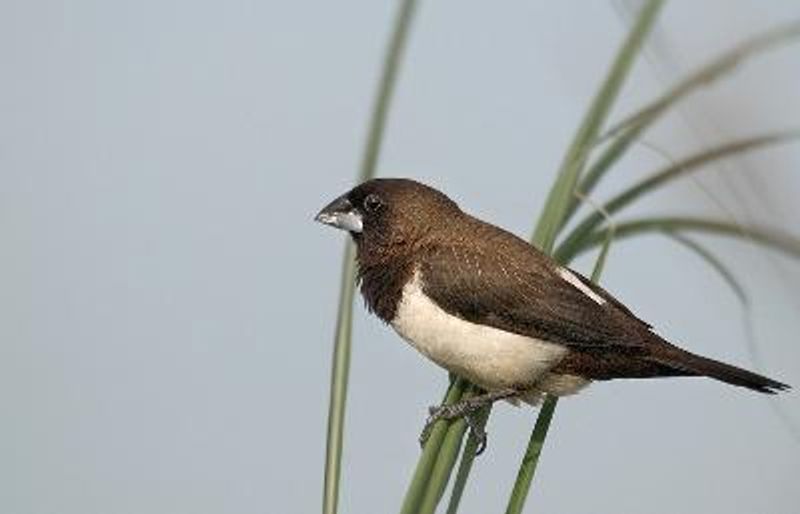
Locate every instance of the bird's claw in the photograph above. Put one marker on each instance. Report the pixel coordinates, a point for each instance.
(477, 432)
(469, 410)
(437, 412)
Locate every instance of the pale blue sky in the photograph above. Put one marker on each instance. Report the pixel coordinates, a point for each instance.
(168, 303)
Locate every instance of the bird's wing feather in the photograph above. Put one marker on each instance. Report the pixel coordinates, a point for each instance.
(503, 282)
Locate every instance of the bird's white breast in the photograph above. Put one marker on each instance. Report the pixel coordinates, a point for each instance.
(487, 356)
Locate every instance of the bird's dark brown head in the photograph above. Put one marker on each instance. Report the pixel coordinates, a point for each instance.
(383, 213)
(392, 222)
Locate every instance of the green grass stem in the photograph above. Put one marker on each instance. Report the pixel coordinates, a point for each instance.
(420, 480)
(672, 172)
(557, 203)
(767, 237)
(342, 346)
(627, 132)
(705, 75)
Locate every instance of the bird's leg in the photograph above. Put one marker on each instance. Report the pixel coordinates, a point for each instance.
(467, 409)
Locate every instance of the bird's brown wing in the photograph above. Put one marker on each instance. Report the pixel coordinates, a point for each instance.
(503, 282)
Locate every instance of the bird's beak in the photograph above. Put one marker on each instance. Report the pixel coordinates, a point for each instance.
(341, 214)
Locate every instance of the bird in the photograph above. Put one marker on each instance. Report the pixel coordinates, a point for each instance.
(491, 308)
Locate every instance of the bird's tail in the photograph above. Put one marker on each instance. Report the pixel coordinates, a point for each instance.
(697, 365)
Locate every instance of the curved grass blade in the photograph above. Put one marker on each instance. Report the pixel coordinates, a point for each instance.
(342, 340)
(600, 263)
(560, 195)
(628, 130)
(672, 172)
(612, 154)
(704, 76)
(770, 238)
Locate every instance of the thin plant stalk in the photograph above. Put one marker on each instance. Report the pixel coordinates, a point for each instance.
(338, 388)
(445, 461)
(616, 149)
(531, 458)
(771, 238)
(464, 469)
(558, 200)
(627, 132)
(707, 74)
(673, 172)
(420, 480)
(465, 466)
(342, 339)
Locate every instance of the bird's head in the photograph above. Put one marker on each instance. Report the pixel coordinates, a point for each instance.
(383, 213)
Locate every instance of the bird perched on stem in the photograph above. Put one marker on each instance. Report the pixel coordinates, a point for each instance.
(492, 309)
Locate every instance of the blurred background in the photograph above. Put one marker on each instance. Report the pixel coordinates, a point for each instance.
(167, 304)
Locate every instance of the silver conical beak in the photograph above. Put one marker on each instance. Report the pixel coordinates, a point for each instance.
(341, 214)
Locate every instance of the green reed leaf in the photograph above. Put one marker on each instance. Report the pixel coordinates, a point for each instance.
(705, 75)
(420, 481)
(627, 132)
(770, 238)
(530, 460)
(342, 339)
(557, 203)
(596, 170)
(673, 172)
(465, 466)
(446, 460)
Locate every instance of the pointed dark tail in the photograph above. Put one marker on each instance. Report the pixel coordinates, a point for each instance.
(702, 366)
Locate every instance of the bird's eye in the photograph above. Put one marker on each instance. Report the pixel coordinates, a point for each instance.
(372, 203)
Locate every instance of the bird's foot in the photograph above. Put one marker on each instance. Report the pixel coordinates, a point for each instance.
(477, 430)
(468, 409)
